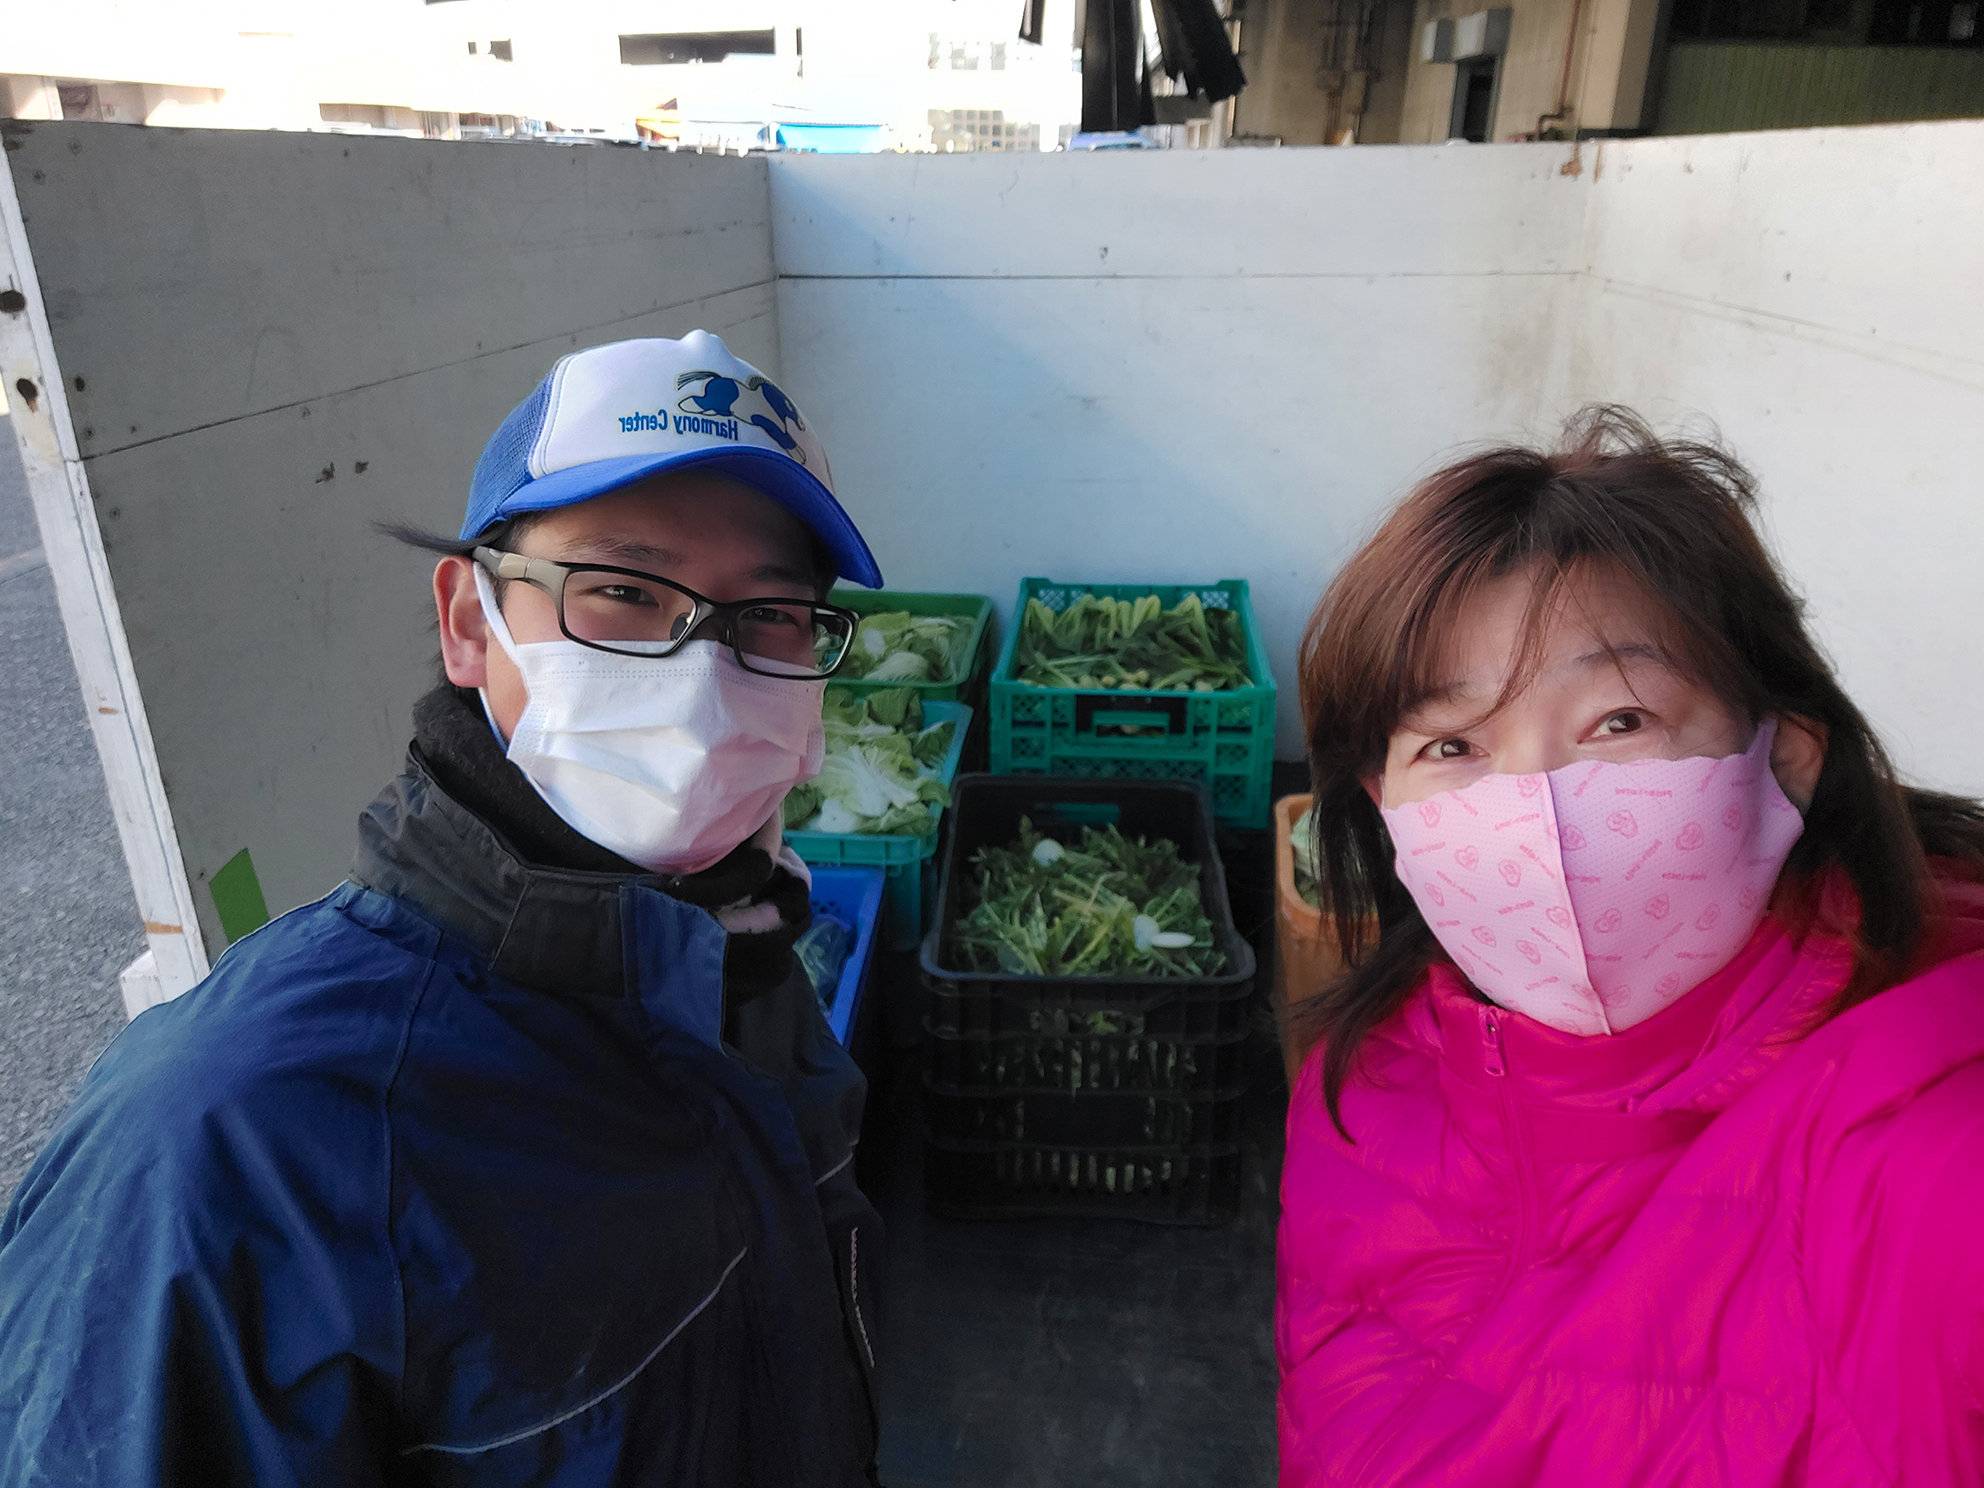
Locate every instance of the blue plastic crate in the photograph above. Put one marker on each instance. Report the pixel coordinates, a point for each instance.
(854, 897)
(909, 862)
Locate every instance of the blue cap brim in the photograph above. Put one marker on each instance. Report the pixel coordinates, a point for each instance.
(777, 475)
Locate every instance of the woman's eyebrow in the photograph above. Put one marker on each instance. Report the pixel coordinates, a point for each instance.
(1616, 655)
(1428, 697)
(1458, 690)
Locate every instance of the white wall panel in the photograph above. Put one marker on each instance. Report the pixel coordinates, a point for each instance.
(1813, 293)
(271, 341)
(1175, 367)
(1300, 213)
(1188, 366)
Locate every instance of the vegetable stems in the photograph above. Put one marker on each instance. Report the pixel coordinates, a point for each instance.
(1076, 912)
(1120, 643)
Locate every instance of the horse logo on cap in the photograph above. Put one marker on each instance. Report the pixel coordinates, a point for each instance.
(719, 397)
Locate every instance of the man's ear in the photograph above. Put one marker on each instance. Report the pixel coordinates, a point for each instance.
(1797, 755)
(464, 630)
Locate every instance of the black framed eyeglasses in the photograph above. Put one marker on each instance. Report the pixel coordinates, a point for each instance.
(631, 613)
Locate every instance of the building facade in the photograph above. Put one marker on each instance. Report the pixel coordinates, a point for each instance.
(873, 74)
(1424, 71)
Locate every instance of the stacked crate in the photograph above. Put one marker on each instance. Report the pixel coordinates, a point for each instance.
(1104, 1096)
(910, 862)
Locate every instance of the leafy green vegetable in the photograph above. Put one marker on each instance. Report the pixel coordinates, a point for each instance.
(1303, 839)
(896, 646)
(822, 954)
(1112, 907)
(879, 771)
(932, 744)
(893, 706)
(1099, 642)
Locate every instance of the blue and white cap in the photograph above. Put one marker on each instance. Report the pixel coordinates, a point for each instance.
(612, 415)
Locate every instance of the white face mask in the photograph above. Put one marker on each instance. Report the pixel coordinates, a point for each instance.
(669, 761)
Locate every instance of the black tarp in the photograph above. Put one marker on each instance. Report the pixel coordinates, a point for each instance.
(1112, 71)
(1193, 47)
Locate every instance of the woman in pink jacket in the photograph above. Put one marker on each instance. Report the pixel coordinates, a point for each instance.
(1643, 1140)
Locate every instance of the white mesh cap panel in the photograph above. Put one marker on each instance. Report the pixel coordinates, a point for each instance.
(655, 397)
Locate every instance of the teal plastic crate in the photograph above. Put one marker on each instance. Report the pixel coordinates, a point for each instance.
(1225, 739)
(908, 864)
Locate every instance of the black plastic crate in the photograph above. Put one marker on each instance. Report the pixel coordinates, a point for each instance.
(986, 811)
(963, 1005)
(1197, 1184)
(1093, 1095)
(1056, 1119)
(1079, 1060)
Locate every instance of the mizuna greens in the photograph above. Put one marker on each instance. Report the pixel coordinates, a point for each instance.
(1114, 907)
(879, 775)
(1100, 642)
(896, 646)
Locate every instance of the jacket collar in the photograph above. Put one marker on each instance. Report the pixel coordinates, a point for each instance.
(464, 837)
(565, 932)
(1661, 1081)
(1656, 1083)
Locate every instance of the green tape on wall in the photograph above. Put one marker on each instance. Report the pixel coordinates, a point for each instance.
(238, 897)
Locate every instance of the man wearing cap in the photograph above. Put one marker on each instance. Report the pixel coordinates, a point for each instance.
(525, 1155)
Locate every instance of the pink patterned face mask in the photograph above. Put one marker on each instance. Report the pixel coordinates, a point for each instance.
(1592, 897)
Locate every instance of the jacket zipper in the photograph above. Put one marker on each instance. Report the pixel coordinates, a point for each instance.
(854, 1293)
(1515, 1131)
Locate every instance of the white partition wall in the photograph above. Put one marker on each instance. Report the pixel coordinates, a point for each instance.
(266, 343)
(1184, 366)
(1816, 294)
(1174, 366)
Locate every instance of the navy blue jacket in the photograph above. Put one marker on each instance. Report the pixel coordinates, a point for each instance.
(464, 1174)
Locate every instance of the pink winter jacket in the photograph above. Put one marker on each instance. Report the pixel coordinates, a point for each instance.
(1723, 1247)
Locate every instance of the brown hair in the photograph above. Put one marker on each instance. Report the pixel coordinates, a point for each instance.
(1675, 518)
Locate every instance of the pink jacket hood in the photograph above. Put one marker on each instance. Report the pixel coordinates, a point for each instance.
(1736, 1244)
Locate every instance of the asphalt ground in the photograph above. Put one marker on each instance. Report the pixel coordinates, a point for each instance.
(68, 922)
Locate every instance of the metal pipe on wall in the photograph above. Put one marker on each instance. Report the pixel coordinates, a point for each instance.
(1563, 108)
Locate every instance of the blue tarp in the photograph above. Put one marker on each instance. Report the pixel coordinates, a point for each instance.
(832, 139)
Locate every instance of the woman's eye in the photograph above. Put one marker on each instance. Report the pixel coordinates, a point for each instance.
(1627, 722)
(1449, 749)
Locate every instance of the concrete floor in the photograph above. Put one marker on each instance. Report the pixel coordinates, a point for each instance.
(68, 923)
(1111, 1354)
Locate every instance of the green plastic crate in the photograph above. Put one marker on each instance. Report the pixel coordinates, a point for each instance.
(956, 688)
(1225, 739)
(967, 686)
(908, 864)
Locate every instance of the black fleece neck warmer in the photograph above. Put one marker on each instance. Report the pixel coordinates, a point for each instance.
(452, 738)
